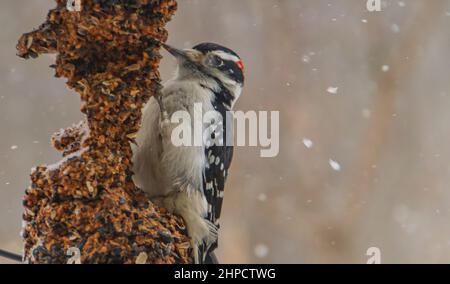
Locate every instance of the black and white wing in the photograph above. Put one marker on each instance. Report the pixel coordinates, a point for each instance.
(219, 159)
(216, 173)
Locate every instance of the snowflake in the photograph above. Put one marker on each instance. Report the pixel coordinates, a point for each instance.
(335, 165)
(333, 90)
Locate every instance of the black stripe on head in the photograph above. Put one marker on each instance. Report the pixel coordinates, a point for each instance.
(232, 70)
(229, 67)
(209, 46)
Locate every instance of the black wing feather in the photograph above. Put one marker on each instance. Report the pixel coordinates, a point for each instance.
(219, 159)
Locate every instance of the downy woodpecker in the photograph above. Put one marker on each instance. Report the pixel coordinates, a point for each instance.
(190, 180)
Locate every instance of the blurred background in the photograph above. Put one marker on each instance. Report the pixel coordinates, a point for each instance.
(364, 138)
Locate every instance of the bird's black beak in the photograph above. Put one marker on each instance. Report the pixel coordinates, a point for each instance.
(177, 53)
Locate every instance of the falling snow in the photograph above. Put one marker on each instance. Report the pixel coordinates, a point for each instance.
(335, 165)
(308, 143)
(261, 251)
(306, 58)
(366, 113)
(262, 197)
(395, 28)
(333, 90)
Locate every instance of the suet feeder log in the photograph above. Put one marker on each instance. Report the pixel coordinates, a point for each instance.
(86, 208)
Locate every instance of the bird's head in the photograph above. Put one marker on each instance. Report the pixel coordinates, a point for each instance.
(211, 61)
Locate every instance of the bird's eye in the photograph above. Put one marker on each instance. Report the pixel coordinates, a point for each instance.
(215, 61)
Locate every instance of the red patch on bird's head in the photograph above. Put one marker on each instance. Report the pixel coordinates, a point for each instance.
(240, 63)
